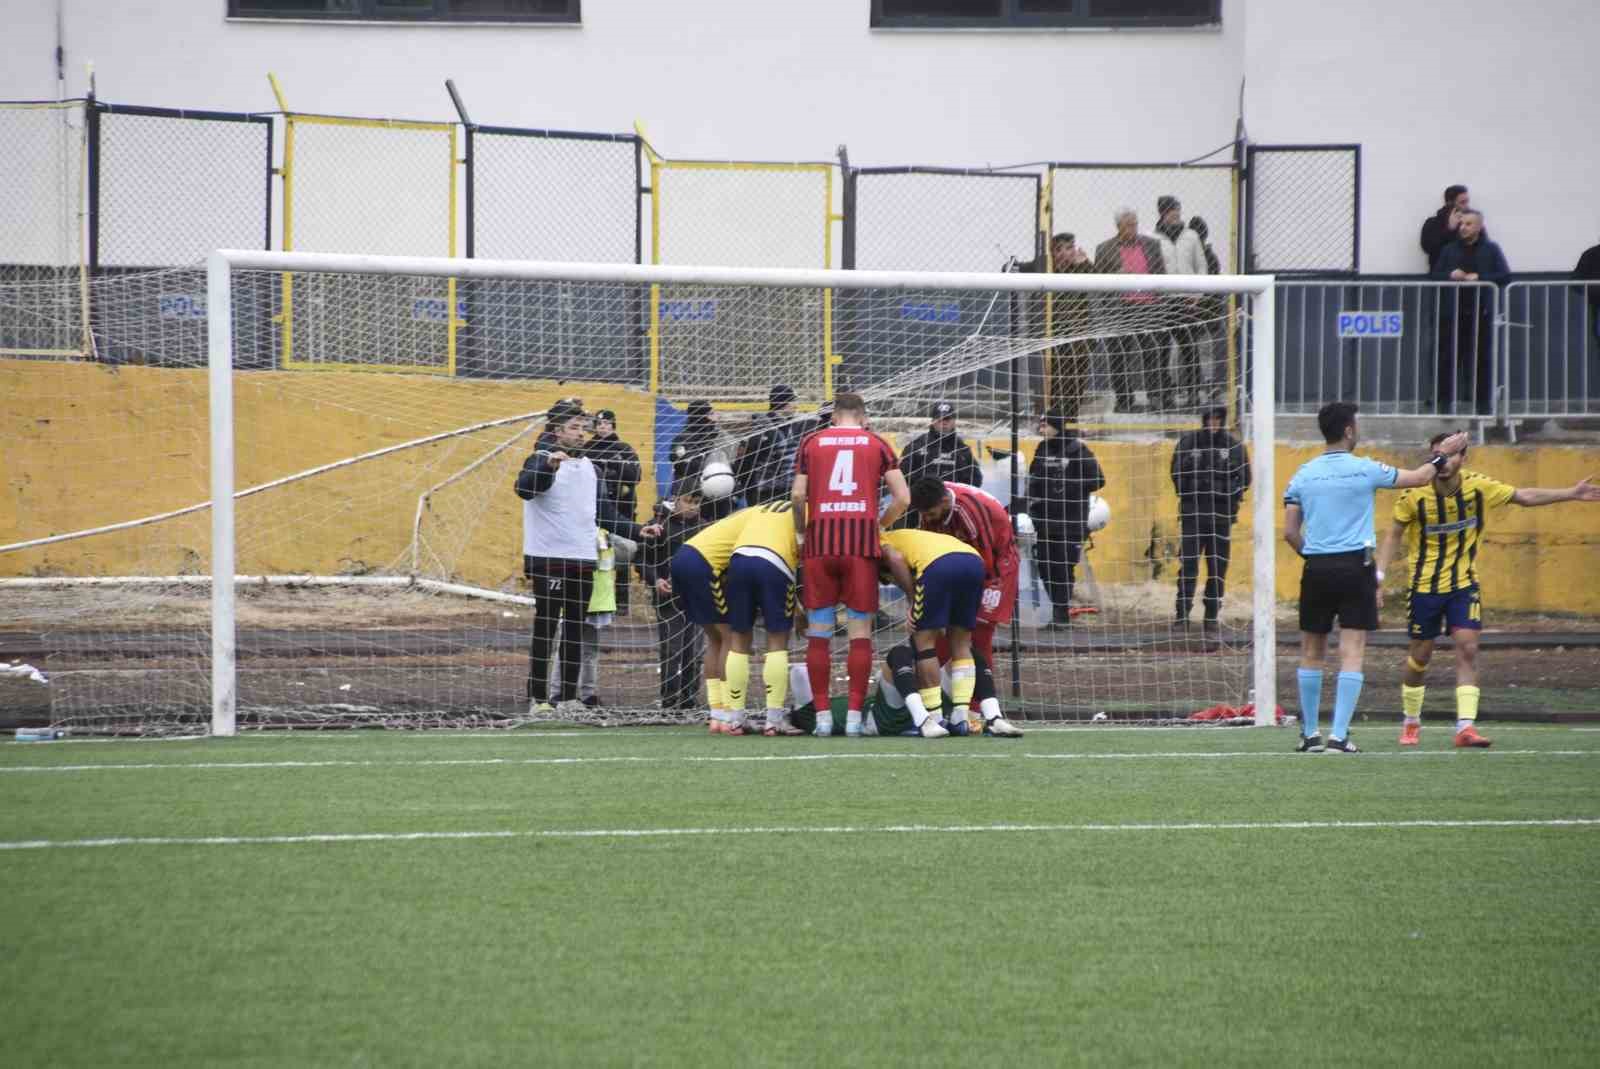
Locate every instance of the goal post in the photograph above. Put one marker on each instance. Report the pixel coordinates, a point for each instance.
(900, 384)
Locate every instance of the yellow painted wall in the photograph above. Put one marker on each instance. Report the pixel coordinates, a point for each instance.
(1533, 560)
(82, 445)
(85, 445)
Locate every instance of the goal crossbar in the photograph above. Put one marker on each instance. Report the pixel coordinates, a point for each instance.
(222, 263)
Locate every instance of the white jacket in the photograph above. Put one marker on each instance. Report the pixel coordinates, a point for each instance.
(1186, 256)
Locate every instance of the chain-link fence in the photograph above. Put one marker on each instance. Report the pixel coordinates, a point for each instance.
(1303, 209)
(379, 186)
(933, 219)
(43, 160)
(552, 195)
(741, 215)
(166, 188)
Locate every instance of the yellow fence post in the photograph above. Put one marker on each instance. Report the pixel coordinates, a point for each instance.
(285, 316)
(655, 257)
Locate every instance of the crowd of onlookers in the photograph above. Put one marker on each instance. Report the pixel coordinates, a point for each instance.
(1459, 249)
(1168, 348)
(582, 535)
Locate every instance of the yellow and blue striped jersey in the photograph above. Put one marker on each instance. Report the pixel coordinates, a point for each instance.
(1442, 531)
(716, 543)
(922, 548)
(770, 533)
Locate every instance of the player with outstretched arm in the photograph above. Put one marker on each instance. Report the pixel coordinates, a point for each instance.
(838, 471)
(1442, 525)
(1328, 519)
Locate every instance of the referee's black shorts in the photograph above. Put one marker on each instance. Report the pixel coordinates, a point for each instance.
(1338, 584)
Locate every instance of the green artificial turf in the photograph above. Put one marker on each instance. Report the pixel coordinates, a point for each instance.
(812, 912)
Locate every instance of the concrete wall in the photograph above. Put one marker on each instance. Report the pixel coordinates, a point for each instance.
(1482, 91)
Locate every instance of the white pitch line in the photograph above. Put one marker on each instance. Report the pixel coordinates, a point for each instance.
(892, 829)
(490, 762)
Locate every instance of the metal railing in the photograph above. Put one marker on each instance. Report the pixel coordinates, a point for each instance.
(1402, 348)
(1551, 349)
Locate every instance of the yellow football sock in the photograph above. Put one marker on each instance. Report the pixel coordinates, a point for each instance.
(963, 680)
(715, 695)
(1411, 701)
(735, 680)
(1466, 703)
(932, 699)
(775, 672)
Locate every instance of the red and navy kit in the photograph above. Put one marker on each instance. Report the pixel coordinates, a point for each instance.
(979, 520)
(844, 467)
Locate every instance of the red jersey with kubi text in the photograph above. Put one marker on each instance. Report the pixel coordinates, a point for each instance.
(844, 467)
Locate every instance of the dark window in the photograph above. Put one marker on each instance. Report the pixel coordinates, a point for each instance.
(1006, 14)
(411, 10)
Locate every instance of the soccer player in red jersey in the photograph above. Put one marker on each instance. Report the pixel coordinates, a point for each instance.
(836, 485)
(980, 521)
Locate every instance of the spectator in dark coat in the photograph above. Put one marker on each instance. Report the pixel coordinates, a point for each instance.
(617, 464)
(1062, 476)
(1210, 472)
(764, 469)
(1067, 364)
(1213, 309)
(1472, 257)
(939, 453)
(1439, 229)
(679, 643)
(699, 441)
(1588, 269)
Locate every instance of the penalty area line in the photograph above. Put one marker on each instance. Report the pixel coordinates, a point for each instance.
(837, 829)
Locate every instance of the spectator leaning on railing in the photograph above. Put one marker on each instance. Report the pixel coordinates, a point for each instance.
(1472, 257)
(1589, 269)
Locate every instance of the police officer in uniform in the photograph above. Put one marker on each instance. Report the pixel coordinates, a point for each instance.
(1210, 472)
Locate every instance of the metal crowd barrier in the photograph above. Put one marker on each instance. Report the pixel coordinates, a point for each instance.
(1410, 348)
(1551, 347)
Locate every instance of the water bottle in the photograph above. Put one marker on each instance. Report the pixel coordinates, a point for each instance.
(39, 734)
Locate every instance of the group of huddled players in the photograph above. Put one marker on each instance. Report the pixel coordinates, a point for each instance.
(833, 544)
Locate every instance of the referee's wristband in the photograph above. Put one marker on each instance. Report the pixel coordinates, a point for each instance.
(1438, 460)
(1379, 573)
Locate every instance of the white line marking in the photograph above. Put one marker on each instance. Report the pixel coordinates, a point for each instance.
(485, 762)
(893, 829)
(757, 759)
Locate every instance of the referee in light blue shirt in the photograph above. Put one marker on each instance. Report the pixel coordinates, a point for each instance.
(1328, 520)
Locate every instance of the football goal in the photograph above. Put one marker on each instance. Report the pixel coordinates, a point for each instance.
(284, 493)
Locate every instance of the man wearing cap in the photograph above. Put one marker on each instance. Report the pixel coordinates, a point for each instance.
(765, 465)
(939, 453)
(617, 465)
(1183, 253)
(559, 488)
(1062, 476)
(1210, 472)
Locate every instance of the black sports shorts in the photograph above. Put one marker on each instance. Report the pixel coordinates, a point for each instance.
(1343, 585)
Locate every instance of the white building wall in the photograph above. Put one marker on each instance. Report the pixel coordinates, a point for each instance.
(1497, 101)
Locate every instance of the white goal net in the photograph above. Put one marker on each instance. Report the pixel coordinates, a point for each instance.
(217, 536)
